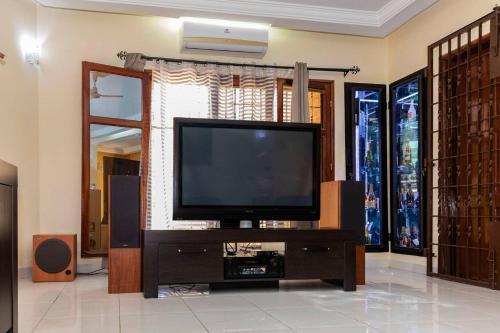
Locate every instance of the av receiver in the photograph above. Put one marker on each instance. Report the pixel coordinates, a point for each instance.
(264, 265)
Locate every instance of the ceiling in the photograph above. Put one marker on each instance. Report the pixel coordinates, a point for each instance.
(116, 140)
(375, 18)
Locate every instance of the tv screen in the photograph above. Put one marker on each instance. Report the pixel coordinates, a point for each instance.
(245, 170)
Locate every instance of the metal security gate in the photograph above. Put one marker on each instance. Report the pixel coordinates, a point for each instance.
(463, 157)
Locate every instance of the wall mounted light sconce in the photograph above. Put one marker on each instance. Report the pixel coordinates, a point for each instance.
(2, 56)
(31, 50)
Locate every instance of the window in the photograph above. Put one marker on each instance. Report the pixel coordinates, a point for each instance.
(184, 100)
(245, 98)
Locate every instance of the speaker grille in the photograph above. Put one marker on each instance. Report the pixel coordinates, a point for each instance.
(53, 256)
(125, 211)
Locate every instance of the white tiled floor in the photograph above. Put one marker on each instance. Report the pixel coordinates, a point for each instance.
(392, 301)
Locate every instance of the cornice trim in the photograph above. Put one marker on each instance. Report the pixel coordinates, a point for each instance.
(269, 9)
(391, 9)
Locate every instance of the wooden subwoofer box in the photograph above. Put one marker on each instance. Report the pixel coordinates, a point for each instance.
(54, 258)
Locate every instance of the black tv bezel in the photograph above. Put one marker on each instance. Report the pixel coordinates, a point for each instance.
(283, 213)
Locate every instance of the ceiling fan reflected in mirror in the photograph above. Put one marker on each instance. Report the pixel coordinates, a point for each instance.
(94, 93)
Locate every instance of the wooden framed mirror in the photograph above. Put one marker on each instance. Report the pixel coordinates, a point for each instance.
(115, 141)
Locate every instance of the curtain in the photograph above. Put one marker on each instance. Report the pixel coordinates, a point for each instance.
(300, 90)
(256, 95)
(197, 91)
(134, 61)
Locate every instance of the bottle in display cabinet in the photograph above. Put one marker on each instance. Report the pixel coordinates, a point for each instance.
(369, 156)
(407, 154)
(371, 201)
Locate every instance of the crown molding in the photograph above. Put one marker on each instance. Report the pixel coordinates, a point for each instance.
(266, 9)
(391, 9)
(319, 18)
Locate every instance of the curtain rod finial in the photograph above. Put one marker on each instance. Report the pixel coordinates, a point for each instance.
(353, 70)
(122, 55)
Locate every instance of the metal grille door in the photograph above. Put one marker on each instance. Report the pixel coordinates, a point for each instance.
(463, 163)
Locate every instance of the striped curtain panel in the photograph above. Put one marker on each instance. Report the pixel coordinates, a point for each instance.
(257, 94)
(197, 91)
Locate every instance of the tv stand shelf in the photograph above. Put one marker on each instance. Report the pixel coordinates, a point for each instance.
(196, 256)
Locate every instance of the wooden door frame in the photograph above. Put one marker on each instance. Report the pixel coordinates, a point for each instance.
(328, 87)
(88, 120)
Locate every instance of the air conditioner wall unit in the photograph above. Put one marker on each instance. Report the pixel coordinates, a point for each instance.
(224, 38)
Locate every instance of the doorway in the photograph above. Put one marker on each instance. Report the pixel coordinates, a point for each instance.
(321, 96)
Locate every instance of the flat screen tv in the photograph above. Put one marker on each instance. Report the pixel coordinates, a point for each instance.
(232, 170)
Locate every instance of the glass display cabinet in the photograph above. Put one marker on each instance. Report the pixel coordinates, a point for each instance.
(365, 156)
(407, 152)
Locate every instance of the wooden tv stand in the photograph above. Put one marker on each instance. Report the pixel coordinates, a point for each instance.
(196, 256)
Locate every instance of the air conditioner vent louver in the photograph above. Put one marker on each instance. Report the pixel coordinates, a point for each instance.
(201, 36)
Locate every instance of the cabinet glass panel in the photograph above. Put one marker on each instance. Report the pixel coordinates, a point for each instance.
(115, 96)
(366, 156)
(406, 166)
(368, 143)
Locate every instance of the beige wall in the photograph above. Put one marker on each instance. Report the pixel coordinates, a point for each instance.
(19, 116)
(408, 45)
(70, 37)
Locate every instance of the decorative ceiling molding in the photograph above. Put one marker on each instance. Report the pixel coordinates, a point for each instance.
(391, 9)
(265, 11)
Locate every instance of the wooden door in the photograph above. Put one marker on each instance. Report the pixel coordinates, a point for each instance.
(321, 97)
(463, 177)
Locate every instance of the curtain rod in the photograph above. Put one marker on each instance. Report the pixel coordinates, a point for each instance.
(353, 70)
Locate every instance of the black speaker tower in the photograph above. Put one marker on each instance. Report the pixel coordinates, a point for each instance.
(124, 211)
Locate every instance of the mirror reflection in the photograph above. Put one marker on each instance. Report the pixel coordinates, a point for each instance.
(113, 151)
(115, 96)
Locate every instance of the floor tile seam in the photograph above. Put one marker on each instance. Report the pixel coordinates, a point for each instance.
(195, 315)
(228, 310)
(376, 330)
(401, 322)
(273, 308)
(48, 309)
(474, 320)
(270, 315)
(355, 319)
(455, 324)
(82, 316)
(119, 313)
